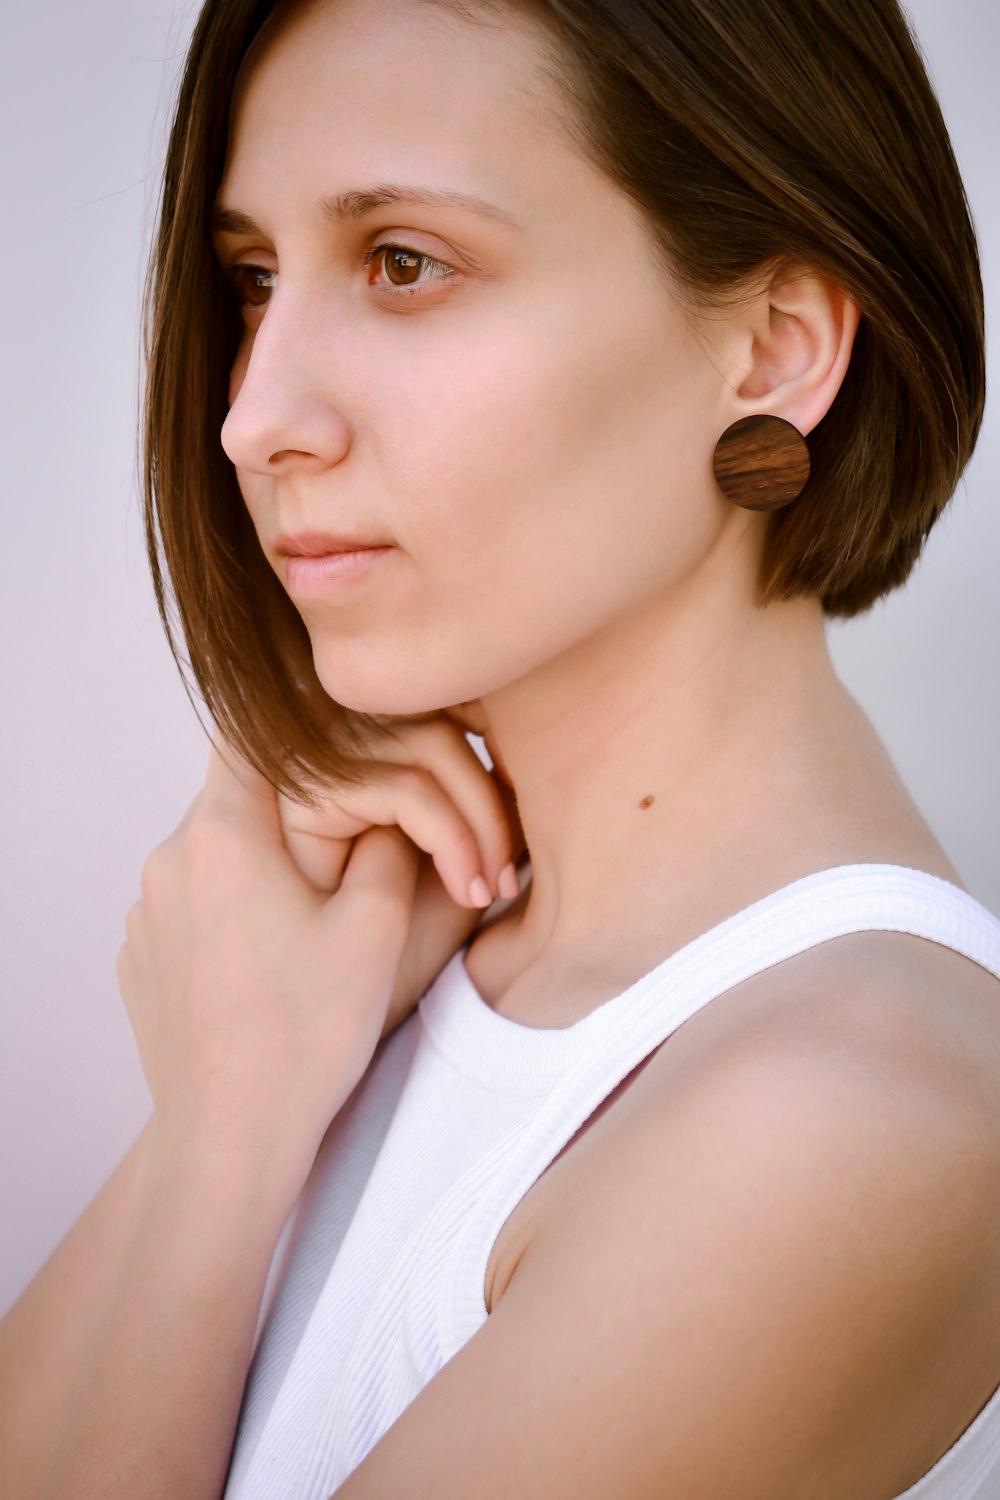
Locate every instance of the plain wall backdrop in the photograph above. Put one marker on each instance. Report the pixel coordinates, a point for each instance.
(102, 751)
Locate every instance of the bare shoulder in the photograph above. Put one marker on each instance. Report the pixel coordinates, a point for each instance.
(906, 1010)
(771, 1267)
(885, 1005)
(819, 1170)
(885, 1044)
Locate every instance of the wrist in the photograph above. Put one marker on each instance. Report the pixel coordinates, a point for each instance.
(208, 1172)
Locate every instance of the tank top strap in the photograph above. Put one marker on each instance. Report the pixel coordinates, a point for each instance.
(810, 911)
(623, 1031)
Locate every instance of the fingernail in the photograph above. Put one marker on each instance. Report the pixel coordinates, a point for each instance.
(508, 884)
(479, 892)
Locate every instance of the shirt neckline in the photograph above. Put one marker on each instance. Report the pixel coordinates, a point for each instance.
(512, 1057)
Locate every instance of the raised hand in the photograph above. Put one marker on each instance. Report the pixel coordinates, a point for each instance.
(427, 779)
(274, 945)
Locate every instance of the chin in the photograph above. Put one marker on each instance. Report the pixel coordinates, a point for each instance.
(397, 697)
(376, 675)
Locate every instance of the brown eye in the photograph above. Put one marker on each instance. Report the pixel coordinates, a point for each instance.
(253, 284)
(404, 263)
(403, 266)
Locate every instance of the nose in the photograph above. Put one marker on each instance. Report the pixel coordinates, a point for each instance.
(282, 416)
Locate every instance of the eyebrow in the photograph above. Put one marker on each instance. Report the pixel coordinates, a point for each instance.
(356, 203)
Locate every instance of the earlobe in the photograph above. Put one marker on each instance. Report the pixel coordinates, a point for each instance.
(802, 342)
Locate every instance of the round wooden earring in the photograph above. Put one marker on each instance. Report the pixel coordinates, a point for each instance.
(761, 462)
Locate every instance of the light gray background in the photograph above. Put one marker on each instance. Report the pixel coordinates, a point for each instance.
(102, 752)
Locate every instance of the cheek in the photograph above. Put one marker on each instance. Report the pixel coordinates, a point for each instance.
(555, 474)
(542, 479)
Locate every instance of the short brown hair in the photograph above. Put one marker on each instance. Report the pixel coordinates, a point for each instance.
(750, 135)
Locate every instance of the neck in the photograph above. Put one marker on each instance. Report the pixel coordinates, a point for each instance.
(674, 768)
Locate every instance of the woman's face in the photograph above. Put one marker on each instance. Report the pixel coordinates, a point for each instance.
(514, 400)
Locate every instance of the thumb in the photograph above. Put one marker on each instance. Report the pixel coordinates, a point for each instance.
(382, 867)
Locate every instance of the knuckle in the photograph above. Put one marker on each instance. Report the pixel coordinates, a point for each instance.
(207, 838)
(155, 870)
(412, 780)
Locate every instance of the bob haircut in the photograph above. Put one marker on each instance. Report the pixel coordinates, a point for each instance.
(750, 135)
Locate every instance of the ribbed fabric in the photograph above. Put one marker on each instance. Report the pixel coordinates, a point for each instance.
(379, 1276)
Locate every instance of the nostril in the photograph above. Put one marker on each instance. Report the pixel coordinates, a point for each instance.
(284, 456)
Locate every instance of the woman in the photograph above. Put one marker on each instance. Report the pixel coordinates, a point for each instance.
(486, 300)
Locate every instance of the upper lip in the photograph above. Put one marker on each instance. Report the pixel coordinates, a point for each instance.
(321, 543)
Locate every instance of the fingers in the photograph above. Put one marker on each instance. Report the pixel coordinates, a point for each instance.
(429, 781)
(440, 748)
(383, 866)
(319, 856)
(439, 929)
(411, 796)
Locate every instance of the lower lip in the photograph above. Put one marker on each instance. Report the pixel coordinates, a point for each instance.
(311, 577)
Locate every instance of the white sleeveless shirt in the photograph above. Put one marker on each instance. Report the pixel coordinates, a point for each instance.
(379, 1275)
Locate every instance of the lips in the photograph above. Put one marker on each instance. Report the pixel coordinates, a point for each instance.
(324, 544)
(325, 573)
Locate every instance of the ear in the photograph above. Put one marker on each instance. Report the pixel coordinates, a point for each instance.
(794, 340)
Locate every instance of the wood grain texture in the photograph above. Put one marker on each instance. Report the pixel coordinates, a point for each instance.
(761, 462)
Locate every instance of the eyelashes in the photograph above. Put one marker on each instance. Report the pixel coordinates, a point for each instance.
(441, 272)
(254, 284)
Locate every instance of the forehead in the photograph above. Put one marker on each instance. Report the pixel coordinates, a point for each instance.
(407, 85)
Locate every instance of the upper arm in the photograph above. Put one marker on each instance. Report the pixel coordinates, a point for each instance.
(762, 1282)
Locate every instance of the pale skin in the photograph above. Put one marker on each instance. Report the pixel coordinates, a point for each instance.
(533, 435)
